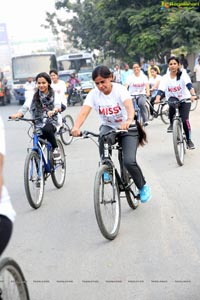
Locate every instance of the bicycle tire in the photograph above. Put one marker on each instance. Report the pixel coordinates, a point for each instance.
(164, 113)
(65, 136)
(33, 181)
(107, 204)
(131, 192)
(58, 172)
(193, 105)
(13, 285)
(178, 142)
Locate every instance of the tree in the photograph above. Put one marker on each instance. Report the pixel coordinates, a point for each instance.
(129, 29)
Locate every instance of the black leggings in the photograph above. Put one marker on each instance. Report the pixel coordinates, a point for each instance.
(184, 110)
(129, 144)
(48, 132)
(6, 226)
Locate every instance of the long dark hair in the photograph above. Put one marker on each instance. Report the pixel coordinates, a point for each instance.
(48, 79)
(142, 134)
(179, 73)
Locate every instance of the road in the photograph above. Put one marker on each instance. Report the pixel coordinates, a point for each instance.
(60, 248)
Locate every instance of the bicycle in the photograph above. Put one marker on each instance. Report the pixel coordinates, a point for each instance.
(39, 165)
(107, 194)
(179, 138)
(12, 281)
(64, 131)
(162, 111)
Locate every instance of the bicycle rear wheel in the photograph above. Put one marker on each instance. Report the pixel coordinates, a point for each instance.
(68, 123)
(178, 142)
(58, 172)
(164, 113)
(13, 285)
(107, 203)
(34, 179)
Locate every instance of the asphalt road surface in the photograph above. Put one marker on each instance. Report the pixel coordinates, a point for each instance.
(156, 255)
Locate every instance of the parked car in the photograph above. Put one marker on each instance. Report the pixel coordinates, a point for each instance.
(87, 83)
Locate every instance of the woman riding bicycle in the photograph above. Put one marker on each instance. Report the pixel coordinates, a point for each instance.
(177, 84)
(7, 213)
(113, 103)
(154, 82)
(44, 105)
(138, 86)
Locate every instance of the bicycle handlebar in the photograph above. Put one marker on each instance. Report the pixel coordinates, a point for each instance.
(86, 133)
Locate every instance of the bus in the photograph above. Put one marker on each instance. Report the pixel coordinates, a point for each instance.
(25, 66)
(77, 62)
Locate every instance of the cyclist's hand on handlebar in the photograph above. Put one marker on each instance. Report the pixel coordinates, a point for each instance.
(75, 132)
(194, 97)
(15, 116)
(125, 125)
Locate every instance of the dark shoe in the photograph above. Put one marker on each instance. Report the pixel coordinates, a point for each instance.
(146, 124)
(190, 145)
(170, 128)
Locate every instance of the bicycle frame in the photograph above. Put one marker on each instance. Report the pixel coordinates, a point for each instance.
(37, 146)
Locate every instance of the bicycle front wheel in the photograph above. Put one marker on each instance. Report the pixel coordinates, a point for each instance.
(58, 172)
(68, 123)
(13, 285)
(107, 203)
(178, 142)
(164, 113)
(34, 179)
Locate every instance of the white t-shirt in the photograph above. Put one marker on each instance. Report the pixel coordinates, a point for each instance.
(175, 88)
(154, 80)
(110, 107)
(137, 84)
(60, 90)
(6, 208)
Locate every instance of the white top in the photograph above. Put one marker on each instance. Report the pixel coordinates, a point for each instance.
(6, 208)
(60, 90)
(175, 88)
(137, 84)
(154, 80)
(110, 107)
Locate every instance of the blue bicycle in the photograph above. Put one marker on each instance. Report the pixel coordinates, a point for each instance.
(39, 165)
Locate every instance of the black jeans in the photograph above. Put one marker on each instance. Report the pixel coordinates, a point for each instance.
(129, 142)
(184, 110)
(6, 226)
(48, 132)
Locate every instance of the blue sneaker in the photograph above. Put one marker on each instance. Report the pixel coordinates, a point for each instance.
(106, 177)
(145, 194)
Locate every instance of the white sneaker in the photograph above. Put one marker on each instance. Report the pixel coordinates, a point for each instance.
(56, 154)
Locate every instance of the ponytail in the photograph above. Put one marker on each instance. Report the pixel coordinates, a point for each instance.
(142, 134)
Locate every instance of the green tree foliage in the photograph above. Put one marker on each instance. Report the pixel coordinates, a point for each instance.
(129, 29)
